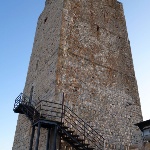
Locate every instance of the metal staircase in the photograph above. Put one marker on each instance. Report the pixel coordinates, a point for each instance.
(62, 121)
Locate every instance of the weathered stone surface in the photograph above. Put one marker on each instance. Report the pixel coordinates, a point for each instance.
(42, 69)
(95, 69)
(81, 48)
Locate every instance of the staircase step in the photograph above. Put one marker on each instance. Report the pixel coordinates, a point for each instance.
(64, 127)
(70, 131)
(86, 145)
(67, 138)
(76, 136)
(75, 143)
(90, 148)
(81, 140)
(78, 146)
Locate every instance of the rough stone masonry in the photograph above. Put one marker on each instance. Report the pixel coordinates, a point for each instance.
(81, 48)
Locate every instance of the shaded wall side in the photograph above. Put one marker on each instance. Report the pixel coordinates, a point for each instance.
(41, 72)
(95, 69)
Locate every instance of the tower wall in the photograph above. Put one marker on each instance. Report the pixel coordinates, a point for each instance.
(95, 69)
(42, 69)
(81, 48)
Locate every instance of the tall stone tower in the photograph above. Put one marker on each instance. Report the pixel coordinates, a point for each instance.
(81, 49)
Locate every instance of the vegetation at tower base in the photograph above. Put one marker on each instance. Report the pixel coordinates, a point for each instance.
(81, 48)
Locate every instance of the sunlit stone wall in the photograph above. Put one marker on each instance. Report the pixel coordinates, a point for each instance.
(81, 48)
(95, 69)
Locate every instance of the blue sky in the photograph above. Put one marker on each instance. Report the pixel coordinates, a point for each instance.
(18, 21)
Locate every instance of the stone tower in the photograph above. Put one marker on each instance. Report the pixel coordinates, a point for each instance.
(81, 49)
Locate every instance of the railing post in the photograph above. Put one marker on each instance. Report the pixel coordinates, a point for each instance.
(48, 138)
(32, 136)
(53, 137)
(38, 135)
(40, 109)
(64, 112)
(20, 98)
(84, 131)
(34, 116)
(63, 109)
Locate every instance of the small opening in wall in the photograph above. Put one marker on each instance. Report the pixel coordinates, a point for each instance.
(37, 63)
(31, 94)
(97, 28)
(45, 20)
(75, 89)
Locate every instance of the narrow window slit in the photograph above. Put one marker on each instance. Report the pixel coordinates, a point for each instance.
(97, 28)
(45, 20)
(37, 63)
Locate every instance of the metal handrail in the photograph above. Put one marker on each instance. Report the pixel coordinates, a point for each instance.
(61, 113)
(75, 125)
(84, 122)
(23, 99)
(89, 135)
(82, 128)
